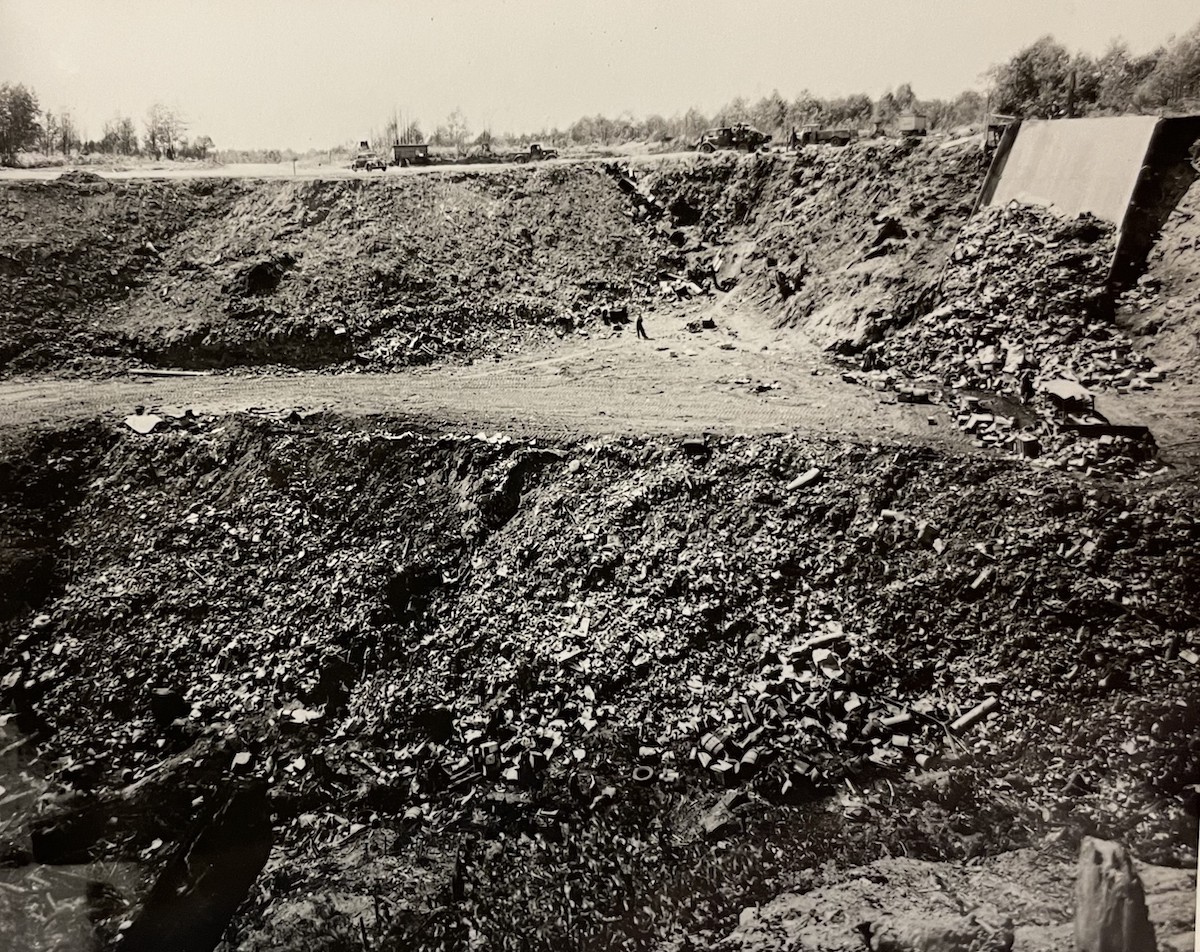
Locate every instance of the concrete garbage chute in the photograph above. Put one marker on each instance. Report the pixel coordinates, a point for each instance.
(1074, 165)
(1122, 169)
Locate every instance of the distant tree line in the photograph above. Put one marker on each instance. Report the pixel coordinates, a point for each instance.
(776, 115)
(1043, 80)
(772, 114)
(454, 133)
(1046, 81)
(24, 127)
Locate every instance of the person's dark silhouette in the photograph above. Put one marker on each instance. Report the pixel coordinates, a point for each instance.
(641, 330)
(1025, 386)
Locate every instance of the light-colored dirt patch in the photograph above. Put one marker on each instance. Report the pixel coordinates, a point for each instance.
(1031, 889)
(740, 377)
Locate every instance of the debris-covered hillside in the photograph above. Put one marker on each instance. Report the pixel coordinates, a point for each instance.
(592, 695)
(1024, 290)
(388, 273)
(1023, 310)
(988, 315)
(841, 243)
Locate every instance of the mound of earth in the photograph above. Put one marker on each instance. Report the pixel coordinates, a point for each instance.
(904, 903)
(592, 695)
(386, 273)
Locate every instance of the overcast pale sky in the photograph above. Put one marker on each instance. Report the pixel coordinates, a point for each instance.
(303, 73)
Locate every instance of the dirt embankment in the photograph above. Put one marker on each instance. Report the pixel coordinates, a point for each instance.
(220, 272)
(869, 251)
(870, 248)
(311, 274)
(1164, 307)
(841, 243)
(597, 693)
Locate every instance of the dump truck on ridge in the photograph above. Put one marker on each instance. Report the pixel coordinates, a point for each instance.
(913, 126)
(813, 134)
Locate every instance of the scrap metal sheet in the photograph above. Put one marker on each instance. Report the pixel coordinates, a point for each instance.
(1077, 165)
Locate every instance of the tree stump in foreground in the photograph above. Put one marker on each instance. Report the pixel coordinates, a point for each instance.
(1110, 904)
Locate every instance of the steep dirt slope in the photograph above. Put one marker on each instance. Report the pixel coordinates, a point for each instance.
(841, 243)
(595, 694)
(74, 250)
(1165, 306)
(385, 273)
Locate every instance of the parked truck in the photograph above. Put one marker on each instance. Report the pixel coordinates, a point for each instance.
(740, 135)
(536, 153)
(405, 154)
(913, 126)
(813, 134)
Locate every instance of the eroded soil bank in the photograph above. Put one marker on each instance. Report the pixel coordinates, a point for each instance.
(223, 273)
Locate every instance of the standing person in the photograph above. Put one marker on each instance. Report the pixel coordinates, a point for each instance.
(641, 329)
(1025, 385)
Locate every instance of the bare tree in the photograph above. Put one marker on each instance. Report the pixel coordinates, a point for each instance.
(120, 137)
(49, 133)
(411, 132)
(457, 129)
(68, 132)
(164, 131)
(402, 129)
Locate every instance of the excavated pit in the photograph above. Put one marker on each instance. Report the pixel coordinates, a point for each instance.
(312, 274)
(360, 614)
(223, 273)
(459, 689)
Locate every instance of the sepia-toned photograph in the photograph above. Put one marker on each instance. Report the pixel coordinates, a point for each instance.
(599, 476)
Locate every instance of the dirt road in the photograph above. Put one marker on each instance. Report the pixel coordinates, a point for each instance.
(285, 170)
(740, 377)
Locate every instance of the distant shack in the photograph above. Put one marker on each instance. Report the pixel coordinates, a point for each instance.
(410, 153)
